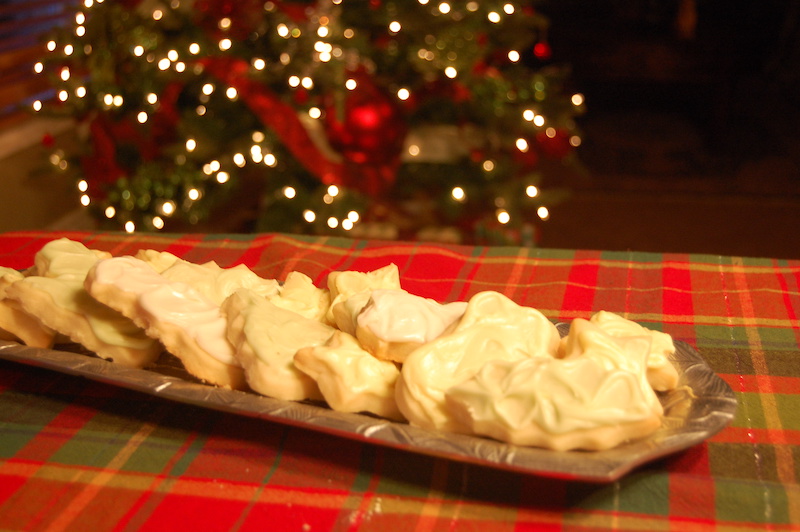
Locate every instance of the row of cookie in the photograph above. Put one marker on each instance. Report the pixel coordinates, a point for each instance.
(487, 367)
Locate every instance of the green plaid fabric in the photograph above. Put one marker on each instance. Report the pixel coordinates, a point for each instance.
(81, 455)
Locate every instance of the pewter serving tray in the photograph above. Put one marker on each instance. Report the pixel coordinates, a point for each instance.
(702, 405)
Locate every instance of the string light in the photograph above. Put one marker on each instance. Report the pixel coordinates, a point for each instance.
(168, 208)
(446, 57)
(543, 212)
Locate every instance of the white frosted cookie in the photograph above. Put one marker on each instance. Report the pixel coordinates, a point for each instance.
(661, 374)
(265, 338)
(217, 283)
(15, 323)
(493, 328)
(189, 324)
(393, 322)
(630, 353)
(56, 296)
(350, 291)
(159, 260)
(298, 294)
(350, 378)
(558, 404)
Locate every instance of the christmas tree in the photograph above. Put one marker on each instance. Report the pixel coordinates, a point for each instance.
(393, 119)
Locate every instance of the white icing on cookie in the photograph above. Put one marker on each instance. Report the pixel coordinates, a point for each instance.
(660, 371)
(350, 291)
(170, 302)
(299, 295)
(56, 295)
(15, 323)
(493, 328)
(554, 403)
(218, 283)
(266, 338)
(585, 339)
(393, 322)
(351, 379)
(397, 316)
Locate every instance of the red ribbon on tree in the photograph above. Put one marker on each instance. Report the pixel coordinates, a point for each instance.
(370, 175)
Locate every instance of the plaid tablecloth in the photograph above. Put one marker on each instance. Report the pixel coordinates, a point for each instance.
(80, 455)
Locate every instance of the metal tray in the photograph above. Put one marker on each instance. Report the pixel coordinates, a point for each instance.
(702, 405)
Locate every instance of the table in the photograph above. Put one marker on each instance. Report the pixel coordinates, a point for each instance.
(76, 454)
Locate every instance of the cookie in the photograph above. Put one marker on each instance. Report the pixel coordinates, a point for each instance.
(350, 378)
(266, 338)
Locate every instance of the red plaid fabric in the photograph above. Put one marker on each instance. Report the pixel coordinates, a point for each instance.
(81, 455)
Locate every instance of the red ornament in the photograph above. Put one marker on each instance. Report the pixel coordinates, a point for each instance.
(368, 126)
(542, 50)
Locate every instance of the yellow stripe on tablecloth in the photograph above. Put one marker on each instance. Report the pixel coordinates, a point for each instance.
(783, 453)
(98, 479)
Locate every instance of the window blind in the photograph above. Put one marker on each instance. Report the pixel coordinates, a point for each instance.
(23, 27)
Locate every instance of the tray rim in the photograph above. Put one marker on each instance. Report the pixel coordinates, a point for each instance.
(714, 414)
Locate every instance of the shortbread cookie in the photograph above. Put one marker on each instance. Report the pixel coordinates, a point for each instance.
(558, 404)
(57, 297)
(15, 323)
(350, 291)
(661, 374)
(298, 294)
(630, 353)
(493, 328)
(266, 338)
(393, 322)
(189, 324)
(350, 378)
